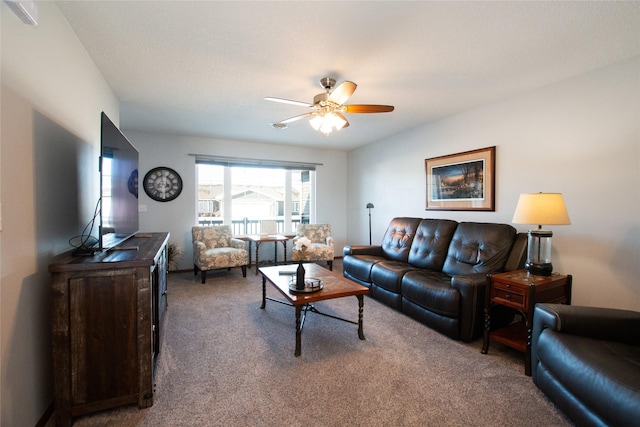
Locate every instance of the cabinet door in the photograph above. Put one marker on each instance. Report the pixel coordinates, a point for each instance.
(159, 289)
(103, 338)
(162, 270)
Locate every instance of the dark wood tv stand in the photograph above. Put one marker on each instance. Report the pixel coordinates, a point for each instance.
(107, 314)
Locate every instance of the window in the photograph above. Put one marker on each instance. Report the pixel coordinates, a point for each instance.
(249, 197)
(210, 194)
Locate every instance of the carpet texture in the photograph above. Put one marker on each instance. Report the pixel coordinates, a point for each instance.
(226, 362)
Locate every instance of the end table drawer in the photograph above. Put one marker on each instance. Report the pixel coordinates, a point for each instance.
(508, 297)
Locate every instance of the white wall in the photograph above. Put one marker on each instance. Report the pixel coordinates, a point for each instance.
(179, 215)
(580, 137)
(51, 96)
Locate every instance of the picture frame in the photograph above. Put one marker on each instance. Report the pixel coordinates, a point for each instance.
(462, 181)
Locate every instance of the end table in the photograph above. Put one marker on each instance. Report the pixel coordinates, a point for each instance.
(275, 238)
(521, 291)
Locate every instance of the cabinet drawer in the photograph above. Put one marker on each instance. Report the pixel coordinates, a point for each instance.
(504, 294)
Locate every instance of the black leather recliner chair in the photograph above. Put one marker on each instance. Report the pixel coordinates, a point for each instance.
(587, 361)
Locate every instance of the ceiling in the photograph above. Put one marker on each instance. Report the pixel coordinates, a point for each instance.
(203, 68)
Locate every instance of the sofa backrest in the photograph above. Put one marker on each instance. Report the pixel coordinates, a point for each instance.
(398, 238)
(517, 254)
(431, 243)
(479, 248)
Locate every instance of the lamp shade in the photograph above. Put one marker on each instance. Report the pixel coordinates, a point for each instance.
(541, 208)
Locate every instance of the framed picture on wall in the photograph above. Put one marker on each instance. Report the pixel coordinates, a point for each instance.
(462, 182)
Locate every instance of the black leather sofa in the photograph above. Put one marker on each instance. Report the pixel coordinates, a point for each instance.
(587, 361)
(434, 270)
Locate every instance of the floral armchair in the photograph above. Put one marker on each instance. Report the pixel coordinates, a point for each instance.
(214, 247)
(318, 245)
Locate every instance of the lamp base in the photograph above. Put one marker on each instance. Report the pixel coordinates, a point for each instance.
(539, 269)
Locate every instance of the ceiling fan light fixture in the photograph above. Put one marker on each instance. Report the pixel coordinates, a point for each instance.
(316, 122)
(336, 121)
(327, 123)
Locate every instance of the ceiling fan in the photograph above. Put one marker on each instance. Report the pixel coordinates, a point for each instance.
(328, 108)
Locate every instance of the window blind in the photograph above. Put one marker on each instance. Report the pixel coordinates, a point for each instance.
(255, 163)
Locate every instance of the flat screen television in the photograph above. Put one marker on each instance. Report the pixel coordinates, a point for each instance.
(118, 186)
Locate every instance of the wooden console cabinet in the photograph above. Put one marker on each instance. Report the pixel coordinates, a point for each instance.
(107, 313)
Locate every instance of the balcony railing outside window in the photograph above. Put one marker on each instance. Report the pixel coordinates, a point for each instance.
(248, 226)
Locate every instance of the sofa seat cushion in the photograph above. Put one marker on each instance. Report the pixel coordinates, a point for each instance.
(432, 290)
(359, 266)
(388, 274)
(603, 375)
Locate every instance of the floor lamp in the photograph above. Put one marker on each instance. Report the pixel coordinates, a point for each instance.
(370, 206)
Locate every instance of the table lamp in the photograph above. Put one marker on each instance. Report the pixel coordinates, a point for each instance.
(540, 208)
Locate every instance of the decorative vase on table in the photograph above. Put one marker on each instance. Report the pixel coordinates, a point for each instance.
(299, 254)
(300, 277)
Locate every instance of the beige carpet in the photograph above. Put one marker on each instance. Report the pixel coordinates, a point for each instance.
(226, 362)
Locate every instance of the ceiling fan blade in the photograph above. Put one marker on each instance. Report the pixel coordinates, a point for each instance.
(294, 118)
(362, 109)
(346, 122)
(343, 92)
(288, 101)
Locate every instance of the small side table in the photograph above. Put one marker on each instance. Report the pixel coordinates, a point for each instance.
(521, 291)
(275, 238)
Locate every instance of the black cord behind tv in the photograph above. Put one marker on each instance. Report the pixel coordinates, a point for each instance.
(118, 186)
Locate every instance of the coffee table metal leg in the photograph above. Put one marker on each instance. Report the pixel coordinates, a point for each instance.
(257, 260)
(264, 292)
(275, 253)
(360, 314)
(298, 331)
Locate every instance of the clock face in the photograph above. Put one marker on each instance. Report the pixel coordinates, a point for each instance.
(162, 184)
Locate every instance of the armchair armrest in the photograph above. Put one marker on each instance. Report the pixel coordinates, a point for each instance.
(237, 243)
(362, 250)
(608, 324)
(198, 248)
(329, 241)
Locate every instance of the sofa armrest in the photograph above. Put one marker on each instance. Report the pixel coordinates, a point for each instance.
(601, 323)
(472, 289)
(362, 250)
(466, 280)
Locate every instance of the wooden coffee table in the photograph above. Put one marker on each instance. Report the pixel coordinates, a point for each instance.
(334, 286)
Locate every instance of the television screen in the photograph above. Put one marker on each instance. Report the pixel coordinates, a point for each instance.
(118, 186)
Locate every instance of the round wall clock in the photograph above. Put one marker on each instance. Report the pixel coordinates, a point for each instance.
(162, 184)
